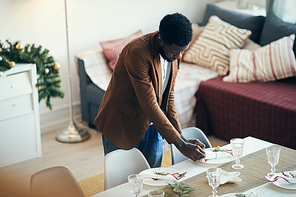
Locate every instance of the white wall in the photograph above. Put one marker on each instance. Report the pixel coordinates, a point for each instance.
(42, 22)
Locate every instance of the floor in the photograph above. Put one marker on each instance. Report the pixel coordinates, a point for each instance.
(84, 159)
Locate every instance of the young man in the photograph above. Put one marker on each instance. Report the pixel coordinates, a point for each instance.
(138, 108)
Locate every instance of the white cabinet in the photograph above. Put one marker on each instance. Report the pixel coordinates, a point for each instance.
(20, 137)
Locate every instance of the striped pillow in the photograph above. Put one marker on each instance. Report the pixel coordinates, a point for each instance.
(212, 47)
(269, 63)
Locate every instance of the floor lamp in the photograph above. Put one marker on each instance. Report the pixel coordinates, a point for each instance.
(71, 133)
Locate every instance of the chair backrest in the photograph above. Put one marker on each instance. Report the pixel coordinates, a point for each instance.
(189, 133)
(121, 163)
(56, 181)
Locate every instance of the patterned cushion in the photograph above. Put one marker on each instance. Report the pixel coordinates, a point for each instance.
(212, 47)
(196, 30)
(113, 48)
(269, 63)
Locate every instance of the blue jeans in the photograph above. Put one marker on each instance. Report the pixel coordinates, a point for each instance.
(150, 145)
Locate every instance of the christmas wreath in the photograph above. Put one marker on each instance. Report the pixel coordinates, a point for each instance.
(48, 82)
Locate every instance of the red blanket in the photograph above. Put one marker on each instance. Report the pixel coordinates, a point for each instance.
(265, 110)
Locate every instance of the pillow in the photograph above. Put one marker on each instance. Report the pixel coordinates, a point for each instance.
(212, 47)
(269, 63)
(112, 48)
(274, 29)
(250, 45)
(244, 21)
(196, 31)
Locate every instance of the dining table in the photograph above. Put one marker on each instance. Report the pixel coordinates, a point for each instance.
(252, 176)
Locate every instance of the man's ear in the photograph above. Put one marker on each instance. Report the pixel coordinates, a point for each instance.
(160, 41)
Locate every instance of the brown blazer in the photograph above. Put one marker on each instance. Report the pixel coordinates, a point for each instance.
(134, 97)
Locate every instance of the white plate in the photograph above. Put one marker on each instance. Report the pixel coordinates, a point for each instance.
(160, 182)
(222, 157)
(251, 194)
(229, 195)
(284, 184)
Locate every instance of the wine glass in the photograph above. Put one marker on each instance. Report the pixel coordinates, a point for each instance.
(136, 183)
(213, 175)
(273, 156)
(237, 146)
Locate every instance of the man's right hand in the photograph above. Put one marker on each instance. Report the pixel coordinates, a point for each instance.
(194, 151)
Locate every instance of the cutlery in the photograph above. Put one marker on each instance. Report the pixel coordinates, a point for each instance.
(275, 178)
(176, 175)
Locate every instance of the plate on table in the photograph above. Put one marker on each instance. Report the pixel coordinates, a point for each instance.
(284, 184)
(229, 195)
(249, 194)
(217, 157)
(162, 180)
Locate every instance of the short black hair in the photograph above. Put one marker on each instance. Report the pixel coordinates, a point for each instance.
(175, 29)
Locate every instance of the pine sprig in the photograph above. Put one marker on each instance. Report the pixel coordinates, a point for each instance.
(182, 189)
(48, 82)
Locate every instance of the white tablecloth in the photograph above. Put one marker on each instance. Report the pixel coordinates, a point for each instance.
(193, 168)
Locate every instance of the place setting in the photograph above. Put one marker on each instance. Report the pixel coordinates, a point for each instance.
(285, 180)
(217, 177)
(220, 155)
(161, 176)
(168, 180)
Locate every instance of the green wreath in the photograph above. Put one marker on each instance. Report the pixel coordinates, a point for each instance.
(48, 82)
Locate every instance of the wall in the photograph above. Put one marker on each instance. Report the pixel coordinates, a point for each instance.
(42, 22)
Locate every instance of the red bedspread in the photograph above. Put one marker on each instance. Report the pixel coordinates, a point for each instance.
(266, 110)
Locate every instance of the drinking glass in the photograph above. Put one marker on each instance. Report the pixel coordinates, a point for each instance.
(273, 156)
(136, 183)
(213, 175)
(237, 146)
(156, 193)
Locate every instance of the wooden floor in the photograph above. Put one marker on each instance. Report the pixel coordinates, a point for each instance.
(84, 160)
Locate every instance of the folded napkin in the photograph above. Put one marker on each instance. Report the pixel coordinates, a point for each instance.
(288, 176)
(210, 154)
(151, 174)
(229, 177)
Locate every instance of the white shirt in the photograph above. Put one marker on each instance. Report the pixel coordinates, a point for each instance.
(166, 71)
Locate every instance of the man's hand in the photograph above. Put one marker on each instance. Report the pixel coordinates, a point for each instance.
(193, 149)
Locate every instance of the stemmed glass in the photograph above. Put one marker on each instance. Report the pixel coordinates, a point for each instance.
(273, 156)
(136, 183)
(213, 175)
(237, 146)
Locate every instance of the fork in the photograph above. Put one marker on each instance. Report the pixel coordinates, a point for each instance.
(176, 175)
(274, 179)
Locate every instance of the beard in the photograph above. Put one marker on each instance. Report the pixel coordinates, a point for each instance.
(163, 55)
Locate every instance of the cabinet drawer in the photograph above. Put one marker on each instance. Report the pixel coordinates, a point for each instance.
(16, 106)
(15, 85)
(17, 140)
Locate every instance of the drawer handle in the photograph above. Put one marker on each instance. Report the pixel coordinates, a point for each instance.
(13, 86)
(13, 105)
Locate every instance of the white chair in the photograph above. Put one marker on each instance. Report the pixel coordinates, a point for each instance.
(121, 163)
(55, 181)
(189, 133)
